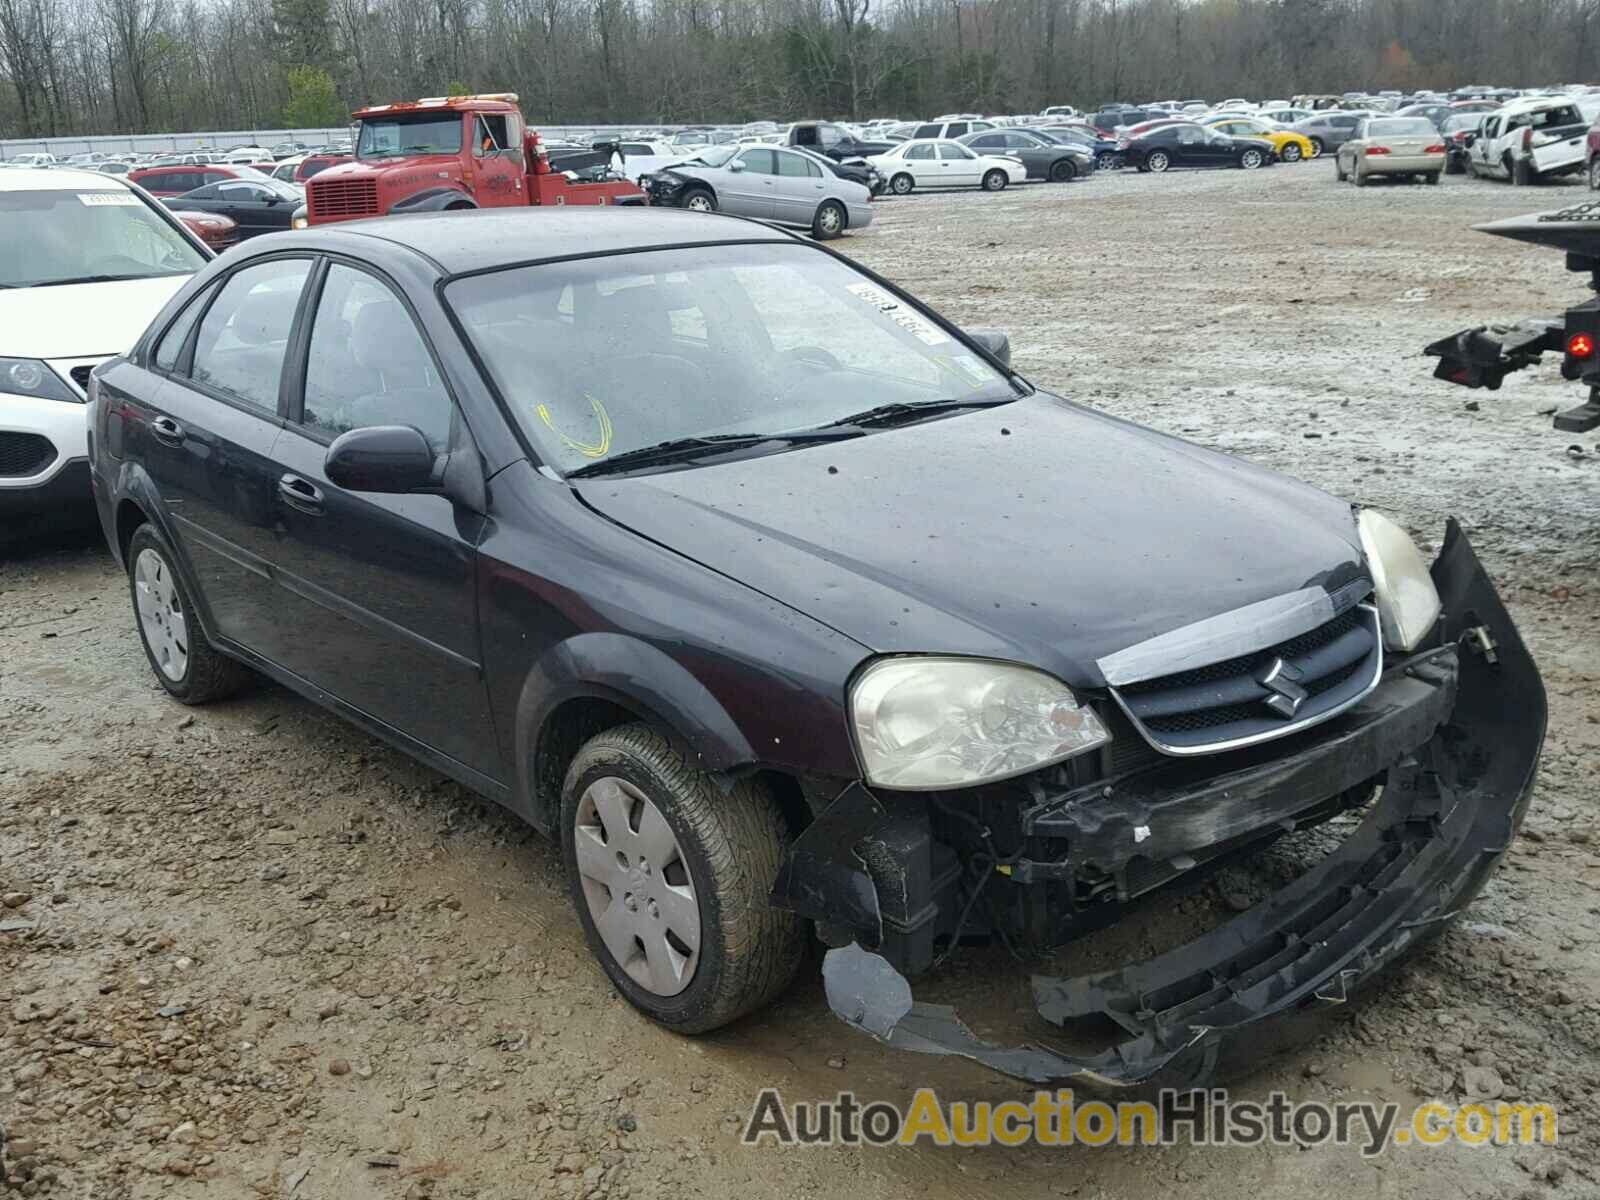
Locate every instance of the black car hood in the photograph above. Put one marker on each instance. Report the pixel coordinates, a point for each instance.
(1038, 531)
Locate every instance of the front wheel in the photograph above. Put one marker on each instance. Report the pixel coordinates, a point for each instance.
(1251, 159)
(995, 181)
(1338, 169)
(1317, 148)
(1594, 175)
(829, 222)
(1063, 170)
(699, 200)
(902, 184)
(184, 662)
(1157, 161)
(1291, 152)
(670, 873)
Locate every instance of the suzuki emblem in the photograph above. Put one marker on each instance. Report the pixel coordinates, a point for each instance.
(1287, 696)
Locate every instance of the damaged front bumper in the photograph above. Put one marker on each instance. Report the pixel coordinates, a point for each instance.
(1454, 733)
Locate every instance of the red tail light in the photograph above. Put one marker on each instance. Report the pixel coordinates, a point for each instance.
(1527, 137)
(1581, 345)
(1377, 150)
(1436, 148)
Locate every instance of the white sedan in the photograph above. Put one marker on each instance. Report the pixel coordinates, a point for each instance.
(933, 162)
(647, 157)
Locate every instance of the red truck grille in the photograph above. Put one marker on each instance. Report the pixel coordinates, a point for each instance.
(341, 199)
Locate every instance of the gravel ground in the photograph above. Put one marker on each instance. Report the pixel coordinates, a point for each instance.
(268, 956)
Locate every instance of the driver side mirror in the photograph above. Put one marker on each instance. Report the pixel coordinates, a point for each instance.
(995, 341)
(381, 458)
(736, 166)
(274, 198)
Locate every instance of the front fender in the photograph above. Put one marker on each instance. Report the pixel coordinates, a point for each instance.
(636, 676)
(432, 200)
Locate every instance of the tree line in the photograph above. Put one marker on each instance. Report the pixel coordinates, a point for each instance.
(150, 66)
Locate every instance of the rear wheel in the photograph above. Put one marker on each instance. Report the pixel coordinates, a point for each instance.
(184, 662)
(902, 184)
(1357, 175)
(1338, 168)
(1157, 161)
(699, 199)
(1063, 170)
(1291, 152)
(1519, 170)
(1251, 159)
(1433, 176)
(670, 872)
(995, 181)
(1594, 175)
(829, 222)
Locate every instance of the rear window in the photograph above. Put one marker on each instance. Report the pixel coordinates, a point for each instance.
(1401, 127)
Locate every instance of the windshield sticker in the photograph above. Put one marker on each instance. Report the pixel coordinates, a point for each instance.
(972, 368)
(120, 198)
(918, 326)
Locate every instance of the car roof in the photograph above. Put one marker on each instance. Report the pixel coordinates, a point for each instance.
(463, 242)
(56, 179)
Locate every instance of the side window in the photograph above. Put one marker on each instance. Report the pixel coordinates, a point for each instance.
(923, 151)
(988, 141)
(638, 148)
(368, 364)
(170, 349)
(237, 191)
(243, 337)
(759, 162)
(830, 135)
(955, 129)
(1190, 135)
(796, 165)
(925, 131)
(954, 150)
(492, 135)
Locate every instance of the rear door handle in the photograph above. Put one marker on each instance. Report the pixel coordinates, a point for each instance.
(301, 494)
(167, 430)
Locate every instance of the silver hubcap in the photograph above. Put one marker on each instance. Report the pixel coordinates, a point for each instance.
(166, 630)
(830, 220)
(636, 881)
(699, 204)
(1158, 162)
(1251, 159)
(902, 184)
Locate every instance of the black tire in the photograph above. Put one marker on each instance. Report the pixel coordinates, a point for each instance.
(732, 841)
(1518, 170)
(1452, 165)
(1317, 148)
(1357, 176)
(1157, 161)
(995, 180)
(1251, 159)
(698, 199)
(830, 221)
(1594, 174)
(1063, 170)
(1291, 152)
(208, 674)
(1432, 177)
(902, 184)
(1338, 168)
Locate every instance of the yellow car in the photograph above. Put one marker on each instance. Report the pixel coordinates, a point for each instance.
(1289, 145)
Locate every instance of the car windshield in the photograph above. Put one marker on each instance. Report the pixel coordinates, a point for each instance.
(1407, 127)
(715, 156)
(598, 357)
(55, 237)
(414, 133)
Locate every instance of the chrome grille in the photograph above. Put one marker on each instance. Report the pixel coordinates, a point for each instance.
(1235, 702)
(341, 199)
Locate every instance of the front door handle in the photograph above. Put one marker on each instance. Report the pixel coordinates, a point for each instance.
(167, 430)
(301, 494)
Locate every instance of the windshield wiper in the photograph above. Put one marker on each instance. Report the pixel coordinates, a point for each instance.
(899, 410)
(80, 279)
(679, 449)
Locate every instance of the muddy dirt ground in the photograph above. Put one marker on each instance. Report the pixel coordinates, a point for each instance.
(268, 956)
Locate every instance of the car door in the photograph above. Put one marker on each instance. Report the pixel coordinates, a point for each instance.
(751, 189)
(799, 187)
(205, 437)
(378, 591)
(923, 163)
(254, 206)
(1188, 145)
(1483, 149)
(497, 168)
(958, 166)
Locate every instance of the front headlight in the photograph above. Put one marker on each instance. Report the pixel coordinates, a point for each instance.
(1408, 603)
(930, 723)
(30, 377)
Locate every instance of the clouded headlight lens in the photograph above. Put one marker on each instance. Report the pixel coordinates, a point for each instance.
(1408, 603)
(925, 723)
(30, 377)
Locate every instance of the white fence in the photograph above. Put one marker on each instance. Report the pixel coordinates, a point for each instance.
(166, 143)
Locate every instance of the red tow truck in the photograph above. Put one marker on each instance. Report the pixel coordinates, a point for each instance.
(448, 152)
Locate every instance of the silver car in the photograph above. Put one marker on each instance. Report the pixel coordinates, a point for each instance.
(768, 182)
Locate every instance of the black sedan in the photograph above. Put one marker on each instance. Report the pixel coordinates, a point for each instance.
(1187, 145)
(756, 583)
(1044, 157)
(257, 206)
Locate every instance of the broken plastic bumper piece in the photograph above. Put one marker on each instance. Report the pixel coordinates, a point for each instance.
(1458, 729)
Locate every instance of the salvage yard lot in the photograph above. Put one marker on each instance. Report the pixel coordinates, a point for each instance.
(373, 984)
